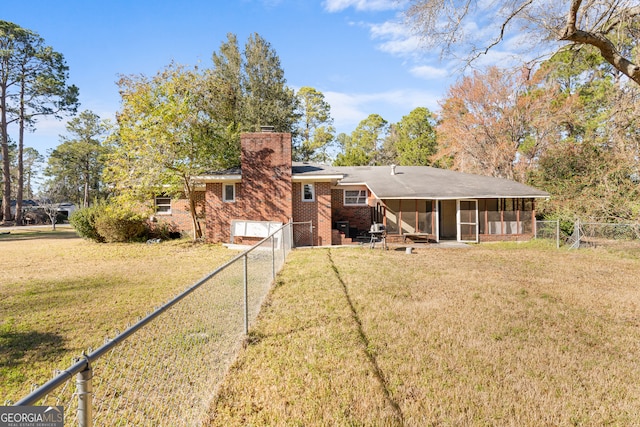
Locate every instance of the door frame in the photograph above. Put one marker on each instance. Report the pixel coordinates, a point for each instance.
(459, 222)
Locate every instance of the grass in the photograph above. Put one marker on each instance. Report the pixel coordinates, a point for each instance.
(497, 334)
(60, 295)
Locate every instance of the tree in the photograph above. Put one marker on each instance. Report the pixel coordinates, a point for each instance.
(77, 163)
(482, 124)
(591, 163)
(364, 145)
(315, 129)
(268, 101)
(412, 141)
(32, 160)
(246, 90)
(32, 83)
(165, 136)
(225, 97)
(608, 26)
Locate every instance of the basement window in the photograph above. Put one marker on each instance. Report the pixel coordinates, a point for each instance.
(163, 205)
(308, 193)
(229, 193)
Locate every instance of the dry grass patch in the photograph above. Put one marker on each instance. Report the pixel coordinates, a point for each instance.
(520, 335)
(61, 295)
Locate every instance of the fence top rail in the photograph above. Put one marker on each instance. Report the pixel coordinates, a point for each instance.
(617, 224)
(85, 361)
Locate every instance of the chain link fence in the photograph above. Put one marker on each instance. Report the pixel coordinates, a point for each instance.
(598, 234)
(549, 230)
(302, 234)
(164, 370)
(590, 234)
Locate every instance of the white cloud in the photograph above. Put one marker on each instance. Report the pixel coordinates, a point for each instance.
(362, 5)
(348, 109)
(428, 72)
(397, 38)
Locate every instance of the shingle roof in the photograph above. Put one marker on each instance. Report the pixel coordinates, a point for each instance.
(421, 182)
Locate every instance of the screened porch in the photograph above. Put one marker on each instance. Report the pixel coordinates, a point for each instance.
(466, 220)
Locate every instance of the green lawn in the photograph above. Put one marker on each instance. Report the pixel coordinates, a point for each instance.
(522, 335)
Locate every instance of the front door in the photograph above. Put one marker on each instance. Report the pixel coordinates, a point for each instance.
(467, 219)
(447, 220)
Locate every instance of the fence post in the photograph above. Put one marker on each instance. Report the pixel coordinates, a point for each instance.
(85, 397)
(558, 233)
(311, 232)
(273, 257)
(246, 296)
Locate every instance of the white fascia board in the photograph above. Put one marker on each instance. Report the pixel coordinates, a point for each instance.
(316, 178)
(463, 197)
(217, 178)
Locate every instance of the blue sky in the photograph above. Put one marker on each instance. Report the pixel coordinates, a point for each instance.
(356, 52)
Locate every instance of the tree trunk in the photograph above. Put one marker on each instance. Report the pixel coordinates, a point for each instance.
(599, 41)
(197, 231)
(20, 188)
(6, 164)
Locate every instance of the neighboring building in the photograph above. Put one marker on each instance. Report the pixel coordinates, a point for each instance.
(413, 202)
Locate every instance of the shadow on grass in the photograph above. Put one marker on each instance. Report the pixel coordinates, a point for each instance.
(14, 235)
(14, 345)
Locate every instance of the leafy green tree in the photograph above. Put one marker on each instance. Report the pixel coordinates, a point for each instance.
(77, 163)
(591, 163)
(32, 161)
(268, 101)
(412, 141)
(224, 96)
(246, 90)
(364, 145)
(32, 83)
(315, 130)
(165, 136)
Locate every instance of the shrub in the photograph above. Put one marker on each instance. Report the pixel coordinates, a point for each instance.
(117, 225)
(108, 223)
(163, 231)
(84, 222)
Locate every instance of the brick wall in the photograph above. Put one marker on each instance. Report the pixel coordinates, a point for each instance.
(317, 211)
(265, 191)
(358, 216)
(180, 216)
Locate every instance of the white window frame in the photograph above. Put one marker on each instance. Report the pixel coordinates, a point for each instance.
(312, 190)
(362, 193)
(224, 193)
(163, 207)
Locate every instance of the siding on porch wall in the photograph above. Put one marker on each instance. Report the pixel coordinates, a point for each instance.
(317, 211)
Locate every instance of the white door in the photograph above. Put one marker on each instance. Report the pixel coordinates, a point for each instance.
(467, 219)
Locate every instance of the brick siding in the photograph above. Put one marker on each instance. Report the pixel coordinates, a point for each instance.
(358, 216)
(265, 191)
(180, 217)
(317, 211)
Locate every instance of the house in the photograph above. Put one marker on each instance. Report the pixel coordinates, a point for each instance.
(412, 202)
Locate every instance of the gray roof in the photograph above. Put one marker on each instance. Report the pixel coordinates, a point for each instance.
(420, 182)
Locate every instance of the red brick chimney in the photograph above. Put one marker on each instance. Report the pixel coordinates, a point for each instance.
(265, 194)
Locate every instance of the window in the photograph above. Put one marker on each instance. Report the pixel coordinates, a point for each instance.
(229, 193)
(163, 205)
(355, 197)
(308, 193)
